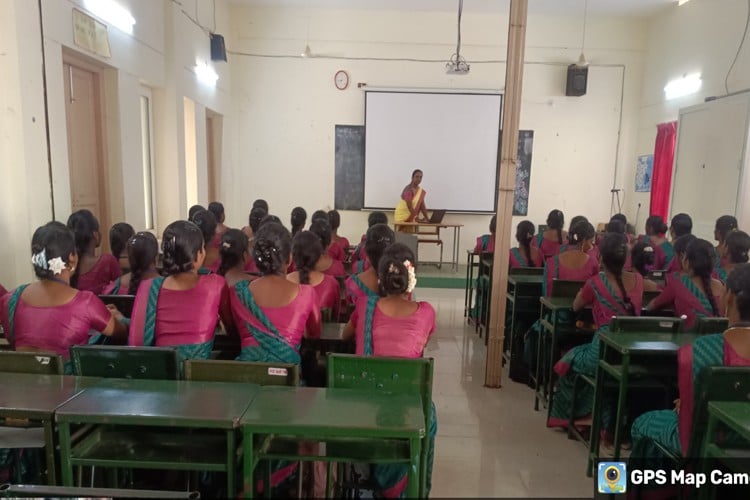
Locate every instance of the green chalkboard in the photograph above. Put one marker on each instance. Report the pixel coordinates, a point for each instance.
(349, 189)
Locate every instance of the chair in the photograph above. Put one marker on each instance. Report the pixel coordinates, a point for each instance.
(37, 363)
(392, 375)
(125, 362)
(241, 371)
(565, 288)
(645, 324)
(527, 271)
(704, 325)
(123, 303)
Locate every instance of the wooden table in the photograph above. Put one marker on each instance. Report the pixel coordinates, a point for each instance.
(143, 422)
(35, 398)
(435, 232)
(732, 415)
(336, 417)
(622, 355)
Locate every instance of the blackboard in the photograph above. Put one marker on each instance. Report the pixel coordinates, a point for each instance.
(349, 191)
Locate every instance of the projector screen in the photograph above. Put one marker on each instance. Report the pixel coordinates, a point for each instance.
(451, 137)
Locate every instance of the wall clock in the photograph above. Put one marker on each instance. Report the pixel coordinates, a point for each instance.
(341, 79)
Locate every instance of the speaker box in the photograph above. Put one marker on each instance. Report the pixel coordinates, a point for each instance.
(577, 79)
(218, 50)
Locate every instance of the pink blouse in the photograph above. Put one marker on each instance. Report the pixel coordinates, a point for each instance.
(336, 269)
(56, 328)
(589, 269)
(403, 337)
(337, 249)
(353, 292)
(685, 303)
(328, 294)
(182, 316)
(292, 320)
(601, 312)
(106, 269)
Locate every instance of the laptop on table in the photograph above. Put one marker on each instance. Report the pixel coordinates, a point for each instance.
(437, 216)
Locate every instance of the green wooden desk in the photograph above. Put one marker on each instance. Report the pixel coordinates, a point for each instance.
(622, 355)
(336, 417)
(125, 423)
(732, 415)
(523, 295)
(36, 397)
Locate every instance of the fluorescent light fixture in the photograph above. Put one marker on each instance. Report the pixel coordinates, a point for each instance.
(112, 13)
(206, 74)
(682, 2)
(688, 84)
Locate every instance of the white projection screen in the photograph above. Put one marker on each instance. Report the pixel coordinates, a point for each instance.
(451, 137)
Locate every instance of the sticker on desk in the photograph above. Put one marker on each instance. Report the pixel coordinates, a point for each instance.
(666, 324)
(279, 372)
(44, 360)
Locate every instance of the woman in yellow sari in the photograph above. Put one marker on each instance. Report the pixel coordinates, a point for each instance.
(412, 202)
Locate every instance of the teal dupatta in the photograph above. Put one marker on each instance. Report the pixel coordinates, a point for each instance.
(272, 345)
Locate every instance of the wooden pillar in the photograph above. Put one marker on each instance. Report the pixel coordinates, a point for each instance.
(506, 187)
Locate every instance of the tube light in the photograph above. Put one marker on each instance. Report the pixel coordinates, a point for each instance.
(688, 84)
(206, 74)
(682, 2)
(112, 13)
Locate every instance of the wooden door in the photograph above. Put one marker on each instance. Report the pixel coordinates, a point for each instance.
(85, 149)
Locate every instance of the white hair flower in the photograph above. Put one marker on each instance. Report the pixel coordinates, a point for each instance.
(412, 276)
(648, 249)
(56, 265)
(40, 259)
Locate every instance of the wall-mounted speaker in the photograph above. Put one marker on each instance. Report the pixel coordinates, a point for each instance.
(218, 50)
(577, 80)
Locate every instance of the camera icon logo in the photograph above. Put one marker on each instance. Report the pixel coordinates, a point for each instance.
(612, 477)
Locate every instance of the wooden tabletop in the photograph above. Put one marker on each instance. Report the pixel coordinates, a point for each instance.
(161, 403)
(734, 414)
(647, 343)
(37, 396)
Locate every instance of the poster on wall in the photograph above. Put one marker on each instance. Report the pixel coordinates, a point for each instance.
(643, 173)
(523, 172)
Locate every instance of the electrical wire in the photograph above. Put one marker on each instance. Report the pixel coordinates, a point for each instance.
(739, 48)
(194, 21)
(585, 15)
(458, 43)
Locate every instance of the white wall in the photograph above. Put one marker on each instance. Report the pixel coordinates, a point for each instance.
(700, 36)
(287, 106)
(161, 54)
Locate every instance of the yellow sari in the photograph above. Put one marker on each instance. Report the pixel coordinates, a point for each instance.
(402, 212)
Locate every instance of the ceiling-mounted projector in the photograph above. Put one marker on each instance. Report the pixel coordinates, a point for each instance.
(457, 65)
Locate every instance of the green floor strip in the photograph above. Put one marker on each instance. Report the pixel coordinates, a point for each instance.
(441, 282)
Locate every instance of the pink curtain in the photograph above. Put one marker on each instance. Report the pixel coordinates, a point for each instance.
(661, 177)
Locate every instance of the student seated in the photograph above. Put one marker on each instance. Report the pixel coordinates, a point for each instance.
(359, 258)
(642, 258)
(143, 249)
(119, 235)
(271, 313)
(207, 223)
(524, 255)
(681, 225)
(486, 242)
(339, 244)
(50, 315)
(217, 209)
(672, 428)
(183, 308)
(194, 210)
(611, 292)
(615, 225)
(326, 263)
(298, 220)
(234, 257)
(393, 325)
(734, 250)
(306, 251)
(93, 273)
(365, 284)
(575, 263)
(724, 226)
(552, 238)
(655, 237)
(257, 215)
(693, 292)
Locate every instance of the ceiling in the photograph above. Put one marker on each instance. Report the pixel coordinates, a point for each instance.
(634, 8)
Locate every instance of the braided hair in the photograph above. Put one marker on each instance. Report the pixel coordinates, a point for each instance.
(119, 235)
(180, 244)
(556, 220)
(642, 257)
(614, 252)
(299, 217)
(272, 247)
(306, 251)
(392, 273)
(322, 230)
(700, 256)
(378, 238)
(206, 222)
(232, 249)
(524, 236)
(738, 246)
(334, 219)
(84, 225)
(738, 283)
(55, 240)
(194, 209)
(142, 251)
(680, 245)
(575, 220)
(217, 208)
(581, 232)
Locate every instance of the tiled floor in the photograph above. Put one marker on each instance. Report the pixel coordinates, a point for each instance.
(491, 442)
